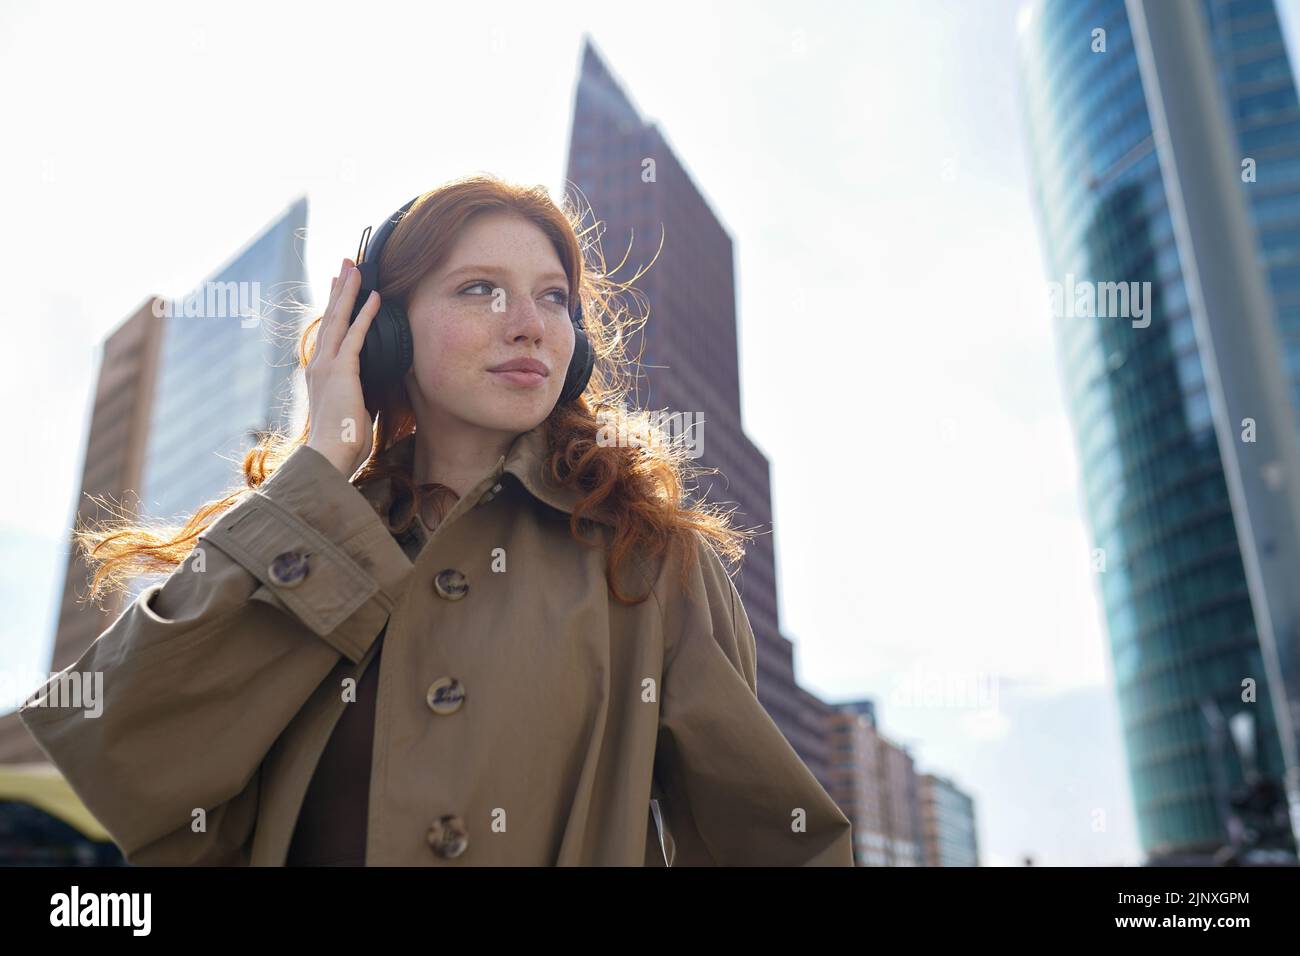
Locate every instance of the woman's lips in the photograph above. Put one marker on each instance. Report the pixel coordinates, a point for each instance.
(516, 377)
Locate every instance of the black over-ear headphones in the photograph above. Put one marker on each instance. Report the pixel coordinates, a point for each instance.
(387, 352)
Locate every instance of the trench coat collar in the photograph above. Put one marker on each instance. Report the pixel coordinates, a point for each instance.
(525, 459)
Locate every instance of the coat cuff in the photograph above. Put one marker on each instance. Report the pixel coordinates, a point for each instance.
(319, 549)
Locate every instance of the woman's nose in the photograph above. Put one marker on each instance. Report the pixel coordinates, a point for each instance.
(524, 316)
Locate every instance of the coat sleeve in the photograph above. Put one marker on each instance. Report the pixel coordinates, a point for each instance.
(731, 788)
(202, 672)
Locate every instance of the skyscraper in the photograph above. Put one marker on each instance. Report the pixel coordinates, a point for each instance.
(1154, 396)
(114, 458)
(637, 187)
(180, 397)
(224, 377)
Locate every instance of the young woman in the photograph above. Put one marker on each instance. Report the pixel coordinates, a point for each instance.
(473, 631)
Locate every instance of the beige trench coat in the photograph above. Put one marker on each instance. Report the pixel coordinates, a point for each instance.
(222, 684)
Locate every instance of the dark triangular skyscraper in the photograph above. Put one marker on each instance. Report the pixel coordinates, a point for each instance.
(688, 349)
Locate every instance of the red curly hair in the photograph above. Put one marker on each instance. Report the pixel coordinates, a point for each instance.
(641, 487)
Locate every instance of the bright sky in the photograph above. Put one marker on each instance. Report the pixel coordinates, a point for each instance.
(866, 158)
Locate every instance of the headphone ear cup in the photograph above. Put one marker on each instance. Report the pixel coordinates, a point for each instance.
(580, 366)
(386, 354)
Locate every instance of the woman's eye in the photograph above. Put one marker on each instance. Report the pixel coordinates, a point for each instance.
(491, 290)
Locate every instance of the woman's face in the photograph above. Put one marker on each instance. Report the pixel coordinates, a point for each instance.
(501, 295)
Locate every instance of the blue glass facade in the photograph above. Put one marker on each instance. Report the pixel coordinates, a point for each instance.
(221, 380)
(950, 824)
(1173, 588)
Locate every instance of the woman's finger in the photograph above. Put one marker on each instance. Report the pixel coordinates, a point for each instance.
(338, 281)
(335, 326)
(329, 311)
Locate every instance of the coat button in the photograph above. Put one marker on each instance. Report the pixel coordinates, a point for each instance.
(445, 695)
(489, 495)
(451, 584)
(288, 569)
(448, 836)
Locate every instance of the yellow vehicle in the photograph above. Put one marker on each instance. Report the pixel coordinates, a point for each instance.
(44, 823)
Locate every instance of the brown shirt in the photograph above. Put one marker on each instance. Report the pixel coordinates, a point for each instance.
(331, 827)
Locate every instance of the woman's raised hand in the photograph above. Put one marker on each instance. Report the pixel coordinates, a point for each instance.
(340, 427)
